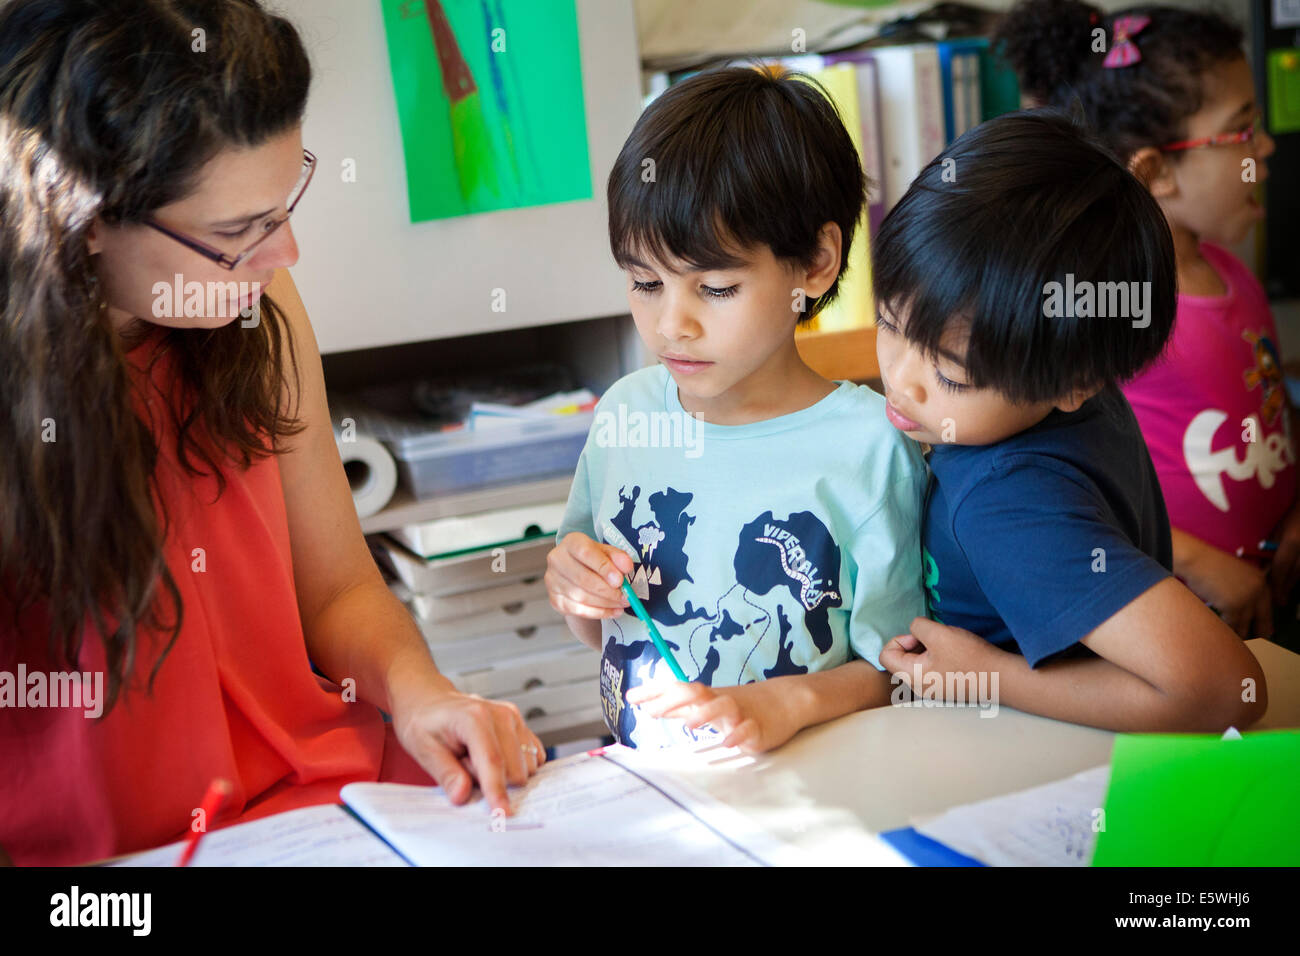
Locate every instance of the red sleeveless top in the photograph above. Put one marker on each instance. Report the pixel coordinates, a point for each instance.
(235, 696)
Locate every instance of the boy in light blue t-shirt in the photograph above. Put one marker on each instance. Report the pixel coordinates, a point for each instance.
(768, 517)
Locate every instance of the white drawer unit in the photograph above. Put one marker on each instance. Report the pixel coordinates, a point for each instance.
(565, 698)
(452, 607)
(579, 724)
(492, 648)
(483, 530)
(515, 675)
(510, 615)
(491, 628)
(471, 571)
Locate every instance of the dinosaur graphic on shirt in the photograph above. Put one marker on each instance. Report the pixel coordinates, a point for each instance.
(786, 570)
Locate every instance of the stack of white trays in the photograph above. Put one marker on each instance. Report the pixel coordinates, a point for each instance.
(486, 617)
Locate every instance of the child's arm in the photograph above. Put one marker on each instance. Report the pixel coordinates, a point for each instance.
(765, 714)
(584, 629)
(1284, 570)
(1167, 663)
(1236, 587)
(1050, 556)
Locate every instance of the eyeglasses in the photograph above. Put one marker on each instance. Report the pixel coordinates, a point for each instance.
(1221, 139)
(269, 227)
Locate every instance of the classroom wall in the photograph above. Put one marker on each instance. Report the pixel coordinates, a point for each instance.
(369, 277)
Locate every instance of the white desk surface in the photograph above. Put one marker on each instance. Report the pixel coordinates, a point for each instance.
(834, 786)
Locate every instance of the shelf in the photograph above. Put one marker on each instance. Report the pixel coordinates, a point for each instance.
(849, 355)
(404, 509)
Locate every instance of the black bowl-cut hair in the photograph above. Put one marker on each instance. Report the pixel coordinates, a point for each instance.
(732, 158)
(1017, 203)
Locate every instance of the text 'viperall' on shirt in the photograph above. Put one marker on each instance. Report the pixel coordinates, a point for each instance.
(784, 546)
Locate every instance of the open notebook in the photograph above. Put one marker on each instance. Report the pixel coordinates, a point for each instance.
(595, 809)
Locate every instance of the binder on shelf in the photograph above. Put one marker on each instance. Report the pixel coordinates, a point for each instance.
(911, 111)
(854, 306)
(870, 143)
(959, 65)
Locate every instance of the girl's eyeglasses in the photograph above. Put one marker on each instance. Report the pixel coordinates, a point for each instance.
(1221, 139)
(269, 227)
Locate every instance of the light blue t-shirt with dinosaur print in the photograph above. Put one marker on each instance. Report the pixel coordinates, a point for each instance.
(783, 546)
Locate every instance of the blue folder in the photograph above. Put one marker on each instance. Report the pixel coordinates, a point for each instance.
(923, 851)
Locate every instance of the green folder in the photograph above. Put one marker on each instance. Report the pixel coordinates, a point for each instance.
(1193, 800)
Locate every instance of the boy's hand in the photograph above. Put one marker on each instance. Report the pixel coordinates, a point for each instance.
(584, 577)
(937, 648)
(754, 717)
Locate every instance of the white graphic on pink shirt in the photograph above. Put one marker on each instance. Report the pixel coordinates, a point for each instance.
(1262, 460)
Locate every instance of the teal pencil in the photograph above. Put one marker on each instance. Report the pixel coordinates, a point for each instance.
(639, 610)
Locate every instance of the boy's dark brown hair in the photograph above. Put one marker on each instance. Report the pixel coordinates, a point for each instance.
(732, 158)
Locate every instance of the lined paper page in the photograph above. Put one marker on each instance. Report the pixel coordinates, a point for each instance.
(1051, 825)
(579, 811)
(314, 836)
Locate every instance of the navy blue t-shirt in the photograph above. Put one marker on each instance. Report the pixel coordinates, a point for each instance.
(1034, 541)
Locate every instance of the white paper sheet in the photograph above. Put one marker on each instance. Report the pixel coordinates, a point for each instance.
(1051, 825)
(761, 808)
(313, 836)
(579, 811)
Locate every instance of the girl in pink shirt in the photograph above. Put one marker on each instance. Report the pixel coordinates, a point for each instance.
(1170, 92)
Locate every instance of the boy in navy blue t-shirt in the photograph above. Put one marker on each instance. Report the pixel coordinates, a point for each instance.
(1081, 483)
(1046, 541)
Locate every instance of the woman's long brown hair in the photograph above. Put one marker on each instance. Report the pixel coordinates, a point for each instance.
(110, 109)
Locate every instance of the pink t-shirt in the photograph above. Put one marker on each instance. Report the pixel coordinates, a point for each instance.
(1214, 413)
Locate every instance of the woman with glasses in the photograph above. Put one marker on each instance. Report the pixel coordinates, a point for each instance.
(177, 537)
(1170, 92)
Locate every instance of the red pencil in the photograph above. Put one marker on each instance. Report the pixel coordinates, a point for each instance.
(218, 791)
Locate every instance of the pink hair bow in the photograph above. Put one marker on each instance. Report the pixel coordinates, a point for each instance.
(1123, 51)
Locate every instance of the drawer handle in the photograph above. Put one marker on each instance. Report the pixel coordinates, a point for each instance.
(535, 712)
(532, 683)
(514, 607)
(528, 631)
(533, 580)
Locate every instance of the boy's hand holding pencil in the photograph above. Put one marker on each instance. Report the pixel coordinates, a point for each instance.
(584, 577)
(753, 717)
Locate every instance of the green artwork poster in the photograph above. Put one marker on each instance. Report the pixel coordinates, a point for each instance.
(489, 96)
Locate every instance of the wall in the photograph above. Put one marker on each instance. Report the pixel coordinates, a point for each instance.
(371, 278)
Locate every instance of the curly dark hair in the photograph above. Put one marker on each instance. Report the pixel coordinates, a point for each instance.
(1050, 44)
